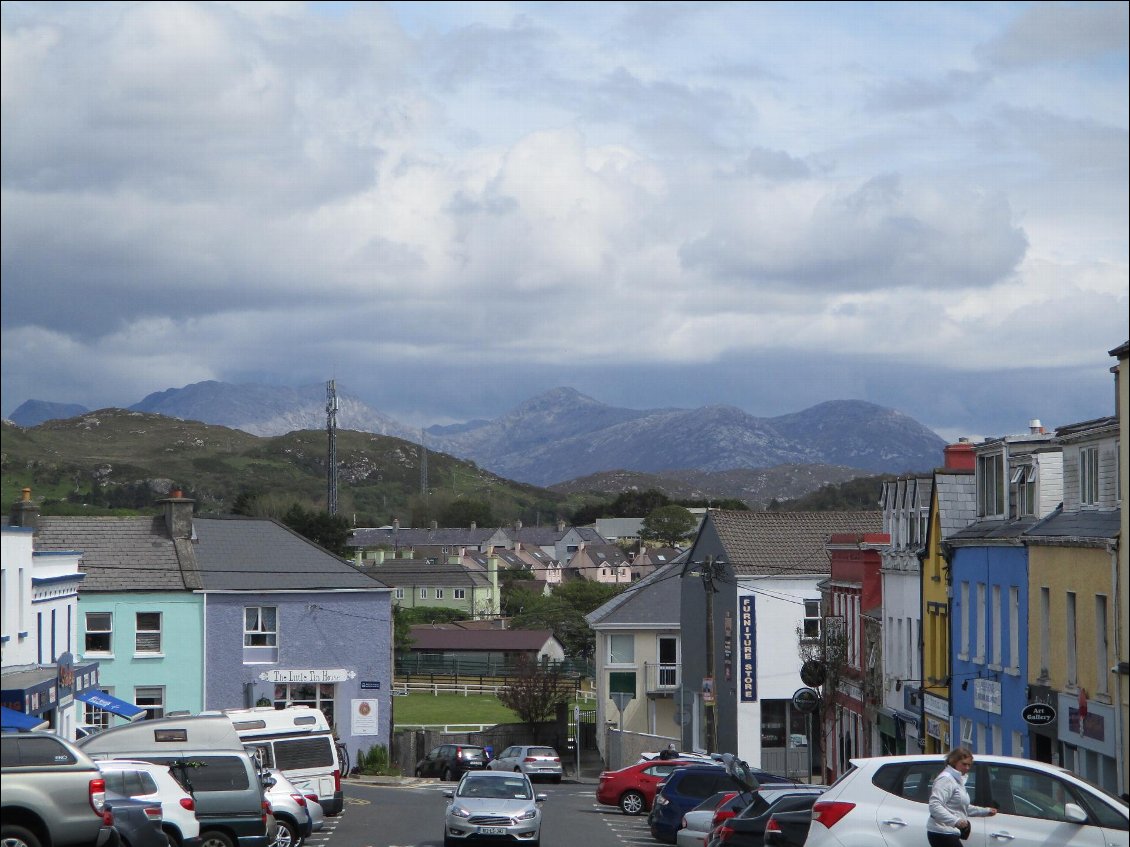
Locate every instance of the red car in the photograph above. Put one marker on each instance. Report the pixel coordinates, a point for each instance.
(633, 788)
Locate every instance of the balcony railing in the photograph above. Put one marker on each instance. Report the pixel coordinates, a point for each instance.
(662, 678)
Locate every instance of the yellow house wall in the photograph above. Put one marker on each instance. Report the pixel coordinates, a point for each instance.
(935, 639)
(1122, 617)
(1087, 572)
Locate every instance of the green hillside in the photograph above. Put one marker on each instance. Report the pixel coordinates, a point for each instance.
(115, 460)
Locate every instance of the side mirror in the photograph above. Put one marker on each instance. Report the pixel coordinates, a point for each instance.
(1074, 813)
(269, 781)
(541, 798)
(449, 794)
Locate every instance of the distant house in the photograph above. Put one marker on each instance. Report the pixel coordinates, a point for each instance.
(620, 529)
(446, 584)
(638, 652)
(192, 613)
(451, 648)
(600, 563)
(652, 558)
(450, 541)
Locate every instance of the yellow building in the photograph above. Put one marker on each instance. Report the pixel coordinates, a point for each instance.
(953, 505)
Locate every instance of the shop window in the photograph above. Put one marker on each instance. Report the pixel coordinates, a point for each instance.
(152, 699)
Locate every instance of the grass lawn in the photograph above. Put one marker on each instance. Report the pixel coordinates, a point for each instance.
(450, 709)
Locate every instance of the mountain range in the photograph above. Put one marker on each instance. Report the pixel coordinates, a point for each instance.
(562, 434)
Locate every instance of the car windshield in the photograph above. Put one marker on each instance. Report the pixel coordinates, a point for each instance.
(495, 789)
(542, 751)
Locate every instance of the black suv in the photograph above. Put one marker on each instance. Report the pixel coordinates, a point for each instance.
(451, 761)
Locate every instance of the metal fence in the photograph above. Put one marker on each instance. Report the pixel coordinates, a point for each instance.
(492, 664)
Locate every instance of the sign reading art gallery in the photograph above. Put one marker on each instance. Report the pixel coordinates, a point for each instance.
(313, 675)
(747, 649)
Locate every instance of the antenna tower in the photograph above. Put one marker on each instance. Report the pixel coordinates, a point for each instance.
(331, 449)
(423, 466)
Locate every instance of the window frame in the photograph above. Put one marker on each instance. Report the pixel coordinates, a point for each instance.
(1089, 475)
(272, 635)
(991, 488)
(109, 633)
(139, 632)
(153, 710)
(615, 658)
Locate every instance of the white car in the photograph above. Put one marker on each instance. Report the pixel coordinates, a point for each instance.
(882, 802)
(530, 759)
(493, 805)
(148, 781)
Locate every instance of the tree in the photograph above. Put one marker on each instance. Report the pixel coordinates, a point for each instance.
(564, 612)
(330, 531)
(465, 512)
(535, 691)
(830, 651)
(668, 524)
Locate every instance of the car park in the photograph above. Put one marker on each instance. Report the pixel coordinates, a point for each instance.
(686, 787)
(291, 810)
(882, 801)
(450, 761)
(138, 822)
(147, 781)
(493, 805)
(748, 828)
(532, 760)
(633, 788)
(698, 822)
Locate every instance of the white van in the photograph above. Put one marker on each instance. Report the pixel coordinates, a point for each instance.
(299, 742)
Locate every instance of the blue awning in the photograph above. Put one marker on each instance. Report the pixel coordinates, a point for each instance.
(102, 700)
(11, 720)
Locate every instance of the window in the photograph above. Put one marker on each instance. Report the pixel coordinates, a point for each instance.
(439, 593)
(95, 717)
(1045, 630)
(1014, 629)
(967, 732)
(621, 649)
(260, 626)
(1072, 633)
(152, 699)
(1102, 669)
(317, 695)
(997, 631)
(147, 635)
(982, 613)
(460, 593)
(99, 632)
(963, 645)
(811, 618)
(399, 594)
(1089, 476)
(130, 783)
(423, 594)
(1031, 793)
(990, 485)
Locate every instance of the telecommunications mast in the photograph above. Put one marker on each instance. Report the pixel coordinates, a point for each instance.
(331, 457)
(423, 466)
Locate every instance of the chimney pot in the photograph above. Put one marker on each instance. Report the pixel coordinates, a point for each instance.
(959, 456)
(1035, 427)
(24, 512)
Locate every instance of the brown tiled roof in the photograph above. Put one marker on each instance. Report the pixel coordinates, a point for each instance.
(763, 543)
(431, 638)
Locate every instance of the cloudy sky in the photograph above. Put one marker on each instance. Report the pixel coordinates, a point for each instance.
(452, 207)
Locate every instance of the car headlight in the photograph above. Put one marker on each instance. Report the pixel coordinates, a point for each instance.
(529, 813)
(460, 812)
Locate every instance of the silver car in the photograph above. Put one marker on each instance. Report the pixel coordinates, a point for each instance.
(290, 808)
(532, 760)
(493, 804)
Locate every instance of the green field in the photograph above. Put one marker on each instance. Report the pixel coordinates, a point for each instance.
(450, 709)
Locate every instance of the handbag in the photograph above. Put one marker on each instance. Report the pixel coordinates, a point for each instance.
(964, 831)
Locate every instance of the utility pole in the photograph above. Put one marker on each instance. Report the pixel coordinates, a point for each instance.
(710, 698)
(331, 447)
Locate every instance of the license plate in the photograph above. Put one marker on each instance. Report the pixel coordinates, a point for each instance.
(492, 830)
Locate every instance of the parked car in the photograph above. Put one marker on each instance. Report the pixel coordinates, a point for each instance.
(788, 829)
(493, 805)
(450, 761)
(633, 788)
(532, 760)
(51, 793)
(138, 822)
(748, 828)
(883, 801)
(147, 781)
(697, 823)
(700, 758)
(317, 813)
(686, 787)
(291, 809)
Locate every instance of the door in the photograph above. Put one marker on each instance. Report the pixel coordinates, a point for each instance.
(1036, 808)
(668, 653)
(902, 815)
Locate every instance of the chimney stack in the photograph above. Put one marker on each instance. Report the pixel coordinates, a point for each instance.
(560, 525)
(435, 526)
(474, 525)
(518, 525)
(24, 512)
(1035, 427)
(178, 514)
(959, 457)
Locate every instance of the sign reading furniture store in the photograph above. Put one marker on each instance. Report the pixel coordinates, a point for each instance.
(313, 675)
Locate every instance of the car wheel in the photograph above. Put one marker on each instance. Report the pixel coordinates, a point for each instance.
(448, 776)
(632, 803)
(557, 779)
(287, 835)
(17, 836)
(215, 838)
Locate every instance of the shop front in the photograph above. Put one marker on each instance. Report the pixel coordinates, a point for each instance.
(1087, 739)
(936, 723)
(47, 694)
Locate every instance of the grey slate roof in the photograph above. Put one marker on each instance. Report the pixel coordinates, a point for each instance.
(652, 601)
(767, 543)
(1082, 524)
(991, 530)
(122, 554)
(255, 554)
(407, 537)
(957, 499)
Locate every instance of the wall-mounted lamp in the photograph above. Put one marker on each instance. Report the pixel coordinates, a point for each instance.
(965, 685)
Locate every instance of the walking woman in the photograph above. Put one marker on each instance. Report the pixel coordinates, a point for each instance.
(950, 809)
